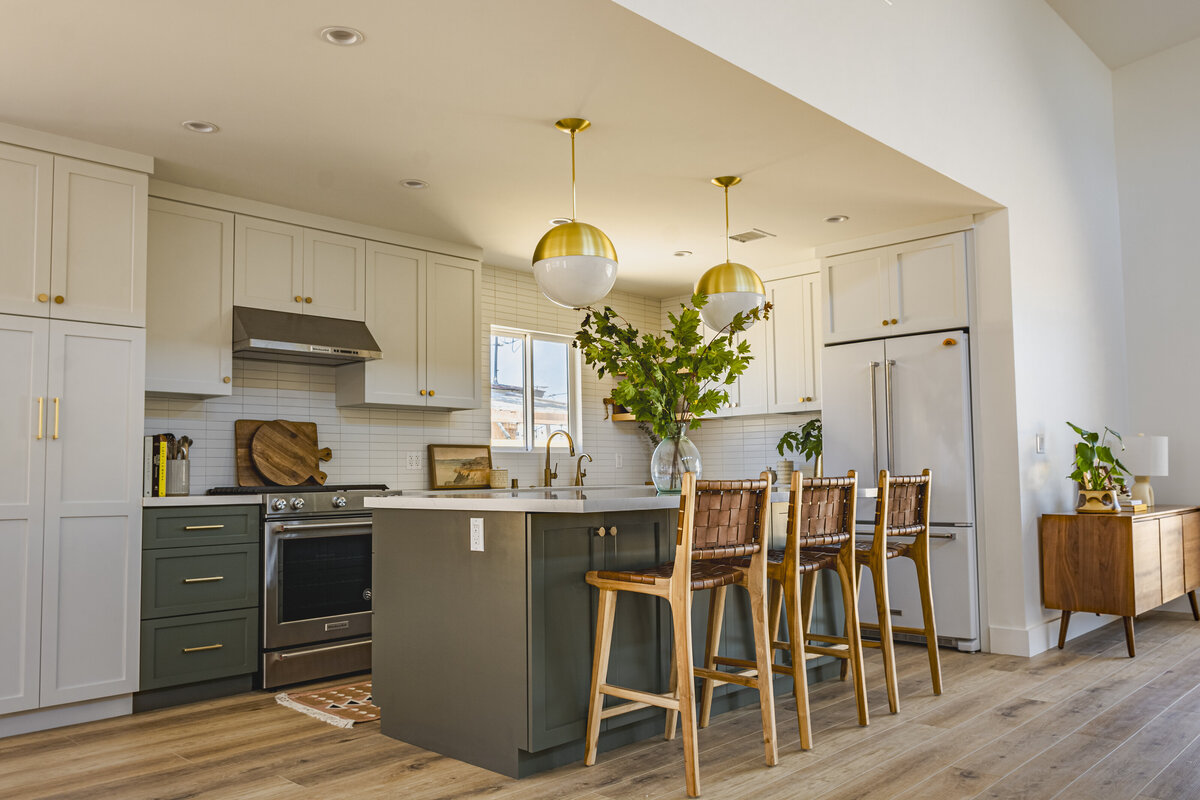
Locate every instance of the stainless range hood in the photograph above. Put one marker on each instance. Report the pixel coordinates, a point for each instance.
(280, 336)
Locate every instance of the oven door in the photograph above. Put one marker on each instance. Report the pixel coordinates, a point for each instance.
(316, 581)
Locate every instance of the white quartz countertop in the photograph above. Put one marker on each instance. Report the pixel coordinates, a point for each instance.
(203, 500)
(558, 500)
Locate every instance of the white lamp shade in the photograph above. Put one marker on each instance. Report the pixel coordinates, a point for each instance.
(575, 281)
(1145, 455)
(723, 306)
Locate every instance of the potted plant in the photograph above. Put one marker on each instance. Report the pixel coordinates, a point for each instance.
(1098, 472)
(668, 381)
(806, 442)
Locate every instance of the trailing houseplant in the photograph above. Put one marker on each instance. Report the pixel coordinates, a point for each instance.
(1097, 470)
(670, 381)
(806, 441)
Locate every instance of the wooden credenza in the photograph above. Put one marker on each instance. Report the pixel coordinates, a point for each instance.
(1124, 564)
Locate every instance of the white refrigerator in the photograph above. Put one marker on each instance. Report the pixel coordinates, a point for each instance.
(904, 404)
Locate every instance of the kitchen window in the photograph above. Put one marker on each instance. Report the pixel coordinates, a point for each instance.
(534, 388)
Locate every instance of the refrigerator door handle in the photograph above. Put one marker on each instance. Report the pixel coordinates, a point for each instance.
(887, 393)
(874, 365)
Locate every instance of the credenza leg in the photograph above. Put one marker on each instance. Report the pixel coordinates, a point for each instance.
(1129, 636)
(1062, 629)
(1195, 608)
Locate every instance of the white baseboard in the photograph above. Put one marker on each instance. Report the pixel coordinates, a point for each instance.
(1041, 637)
(43, 719)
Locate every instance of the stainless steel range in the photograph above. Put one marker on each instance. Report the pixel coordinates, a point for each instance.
(316, 611)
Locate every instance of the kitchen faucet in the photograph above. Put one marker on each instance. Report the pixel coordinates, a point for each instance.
(580, 472)
(548, 474)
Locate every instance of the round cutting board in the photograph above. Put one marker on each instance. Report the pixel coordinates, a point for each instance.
(283, 455)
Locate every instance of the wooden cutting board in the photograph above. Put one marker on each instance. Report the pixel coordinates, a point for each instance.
(244, 430)
(284, 455)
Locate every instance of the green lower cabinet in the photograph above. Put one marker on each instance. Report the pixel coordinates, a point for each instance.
(198, 647)
(194, 580)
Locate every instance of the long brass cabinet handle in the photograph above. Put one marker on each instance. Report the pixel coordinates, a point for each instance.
(210, 579)
(55, 436)
(41, 416)
(203, 527)
(205, 647)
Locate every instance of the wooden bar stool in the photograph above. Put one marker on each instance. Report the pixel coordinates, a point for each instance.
(901, 511)
(820, 535)
(717, 520)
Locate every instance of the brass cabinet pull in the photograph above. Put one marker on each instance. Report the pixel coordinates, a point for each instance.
(43, 298)
(226, 379)
(205, 647)
(308, 299)
(55, 436)
(203, 527)
(41, 415)
(808, 399)
(58, 298)
(612, 531)
(431, 392)
(895, 322)
(885, 322)
(422, 393)
(299, 299)
(210, 579)
(602, 532)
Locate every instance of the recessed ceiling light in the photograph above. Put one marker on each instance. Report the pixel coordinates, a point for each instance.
(200, 126)
(414, 183)
(559, 221)
(342, 36)
(682, 253)
(836, 218)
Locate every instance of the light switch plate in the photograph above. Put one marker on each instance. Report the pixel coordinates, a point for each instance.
(620, 461)
(477, 534)
(1040, 443)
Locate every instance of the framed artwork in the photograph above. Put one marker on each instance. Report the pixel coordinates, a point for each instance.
(460, 466)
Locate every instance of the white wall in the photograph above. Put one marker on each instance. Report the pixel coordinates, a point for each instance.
(1003, 97)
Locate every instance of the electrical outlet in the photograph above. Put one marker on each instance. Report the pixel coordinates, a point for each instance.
(620, 461)
(477, 534)
(414, 461)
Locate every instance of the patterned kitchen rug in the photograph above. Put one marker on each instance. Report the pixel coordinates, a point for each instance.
(342, 706)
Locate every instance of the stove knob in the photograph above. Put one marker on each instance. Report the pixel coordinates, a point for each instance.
(278, 504)
(339, 502)
(297, 503)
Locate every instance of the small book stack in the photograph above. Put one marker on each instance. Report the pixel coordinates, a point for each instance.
(1128, 503)
(156, 450)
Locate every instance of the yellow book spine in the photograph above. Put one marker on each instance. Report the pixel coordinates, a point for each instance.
(162, 468)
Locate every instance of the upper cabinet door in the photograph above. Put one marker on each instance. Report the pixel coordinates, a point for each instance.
(928, 284)
(787, 375)
(855, 287)
(90, 596)
(26, 208)
(98, 260)
(396, 318)
(811, 341)
(334, 275)
(752, 384)
(453, 340)
(23, 437)
(189, 309)
(268, 265)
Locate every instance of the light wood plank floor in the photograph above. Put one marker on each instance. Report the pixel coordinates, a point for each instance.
(1086, 722)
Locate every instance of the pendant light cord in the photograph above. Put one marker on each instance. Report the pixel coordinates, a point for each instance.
(726, 224)
(573, 213)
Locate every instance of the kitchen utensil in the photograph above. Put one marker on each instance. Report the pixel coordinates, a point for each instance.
(184, 446)
(284, 455)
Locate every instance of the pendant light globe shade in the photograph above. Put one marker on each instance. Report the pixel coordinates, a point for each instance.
(731, 289)
(575, 264)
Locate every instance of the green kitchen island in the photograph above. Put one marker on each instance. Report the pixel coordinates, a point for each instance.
(486, 655)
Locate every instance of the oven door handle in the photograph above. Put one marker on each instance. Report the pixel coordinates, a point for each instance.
(321, 526)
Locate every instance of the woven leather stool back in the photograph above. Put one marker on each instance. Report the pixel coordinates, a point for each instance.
(907, 504)
(728, 518)
(825, 510)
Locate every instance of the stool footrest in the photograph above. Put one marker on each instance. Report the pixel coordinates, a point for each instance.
(747, 678)
(895, 628)
(816, 651)
(639, 700)
(750, 667)
(826, 638)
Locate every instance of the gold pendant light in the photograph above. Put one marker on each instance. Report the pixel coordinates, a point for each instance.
(731, 288)
(575, 264)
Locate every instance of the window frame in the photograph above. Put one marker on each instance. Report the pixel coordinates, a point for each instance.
(574, 388)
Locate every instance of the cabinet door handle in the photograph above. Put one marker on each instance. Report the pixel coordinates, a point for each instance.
(41, 416)
(602, 532)
(895, 322)
(205, 647)
(55, 436)
(210, 579)
(226, 379)
(299, 299)
(203, 527)
(58, 298)
(308, 299)
(422, 393)
(612, 531)
(431, 392)
(43, 298)
(885, 322)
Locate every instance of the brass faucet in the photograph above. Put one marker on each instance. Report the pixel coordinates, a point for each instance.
(580, 472)
(548, 474)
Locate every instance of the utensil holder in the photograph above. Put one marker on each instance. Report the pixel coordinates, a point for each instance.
(179, 477)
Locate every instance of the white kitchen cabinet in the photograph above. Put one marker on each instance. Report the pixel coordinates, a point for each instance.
(189, 290)
(794, 344)
(70, 521)
(423, 309)
(752, 385)
(911, 287)
(335, 271)
(98, 252)
(23, 404)
(92, 549)
(268, 265)
(26, 210)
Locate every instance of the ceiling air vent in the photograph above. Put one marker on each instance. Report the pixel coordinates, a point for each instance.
(751, 235)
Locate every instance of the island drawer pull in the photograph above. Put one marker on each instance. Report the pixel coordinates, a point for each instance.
(203, 527)
(205, 647)
(210, 579)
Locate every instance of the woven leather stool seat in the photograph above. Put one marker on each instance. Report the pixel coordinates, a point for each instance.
(806, 560)
(863, 547)
(705, 574)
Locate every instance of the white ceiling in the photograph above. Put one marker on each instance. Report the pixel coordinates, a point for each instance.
(463, 94)
(1123, 31)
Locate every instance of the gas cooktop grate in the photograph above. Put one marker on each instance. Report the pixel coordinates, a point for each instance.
(230, 490)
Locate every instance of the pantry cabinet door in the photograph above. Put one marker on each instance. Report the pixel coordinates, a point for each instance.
(855, 296)
(26, 210)
(452, 328)
(92, 577)
(189, 314)
(335, 273)
(23, 359)
(98, 259)
(927, 284)
(268, 265)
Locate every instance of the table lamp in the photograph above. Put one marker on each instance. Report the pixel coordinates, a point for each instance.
(1144, 456)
